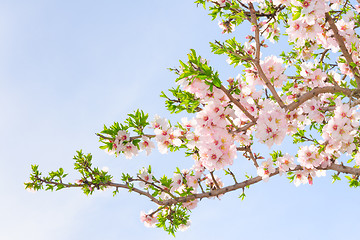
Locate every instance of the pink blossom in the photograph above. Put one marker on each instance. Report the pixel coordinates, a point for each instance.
(177, 181)
(192, 181)
(191, 204)
(160, 123)
(273, 69)
(296, 29)
(308, 157)
(146, 177)
(147, 219)
(357, 158)
(300, 178)
(146, 145)
(184, 227)
(271, 124)
(265, 169)
(211, 184)
(122, 136)
(285, 163)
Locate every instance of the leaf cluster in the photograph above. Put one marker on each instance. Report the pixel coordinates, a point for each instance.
(171, 218)
(197, 67)
(183, 101)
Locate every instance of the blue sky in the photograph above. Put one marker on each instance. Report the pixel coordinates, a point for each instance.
(67, 68)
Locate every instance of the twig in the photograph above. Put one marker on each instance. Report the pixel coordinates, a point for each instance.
(238, 104)
(316, 91)
(213, 178)
(343, 48)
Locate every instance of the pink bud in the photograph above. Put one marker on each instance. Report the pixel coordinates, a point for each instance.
(230, 81)
(310, 179)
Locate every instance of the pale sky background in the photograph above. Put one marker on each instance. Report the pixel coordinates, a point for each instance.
(68, 67)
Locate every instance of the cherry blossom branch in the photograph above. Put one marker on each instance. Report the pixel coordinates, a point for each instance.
(214, 180)
(232, 9)
(133, 189)
(241, 55)
(268, 84)
(238, 104)
(232, 174)
(104, 137)
(249, 154)
(343, 48)
(257, 31)
(240, 149)
(316, 91)
(256, 61)
(251, 181)
(221, 191)
(157, 210)
(252, 157)
(131, 138)
(323, 54)
(154, 185)
(212, 193)
(146, 135)
(245, 127)
(344, 169)
(110, 184)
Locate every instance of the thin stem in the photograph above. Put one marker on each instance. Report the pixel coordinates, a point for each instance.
(213, 178)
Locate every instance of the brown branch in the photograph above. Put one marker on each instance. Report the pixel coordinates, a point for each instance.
(213, 193)
(154, 185)
(131, 138)
(343, 48)
(323, 55)
(146, 135)
(213, 178)
(157, 210)
(238, 104)
(256, 61)
(252, 157)
(109, 184)
(251, 181)
(257, 31)
(246, 127)
(268, 84)
(316, 91)
(344, 169)
(240, 149)
(220, 191)
(104, 137)
(233, 175)
(147, 194)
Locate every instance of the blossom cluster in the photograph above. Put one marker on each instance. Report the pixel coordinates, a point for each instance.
(215, 144)
(265, 102)
(272, 124)
(123, 144)
(341, 129)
